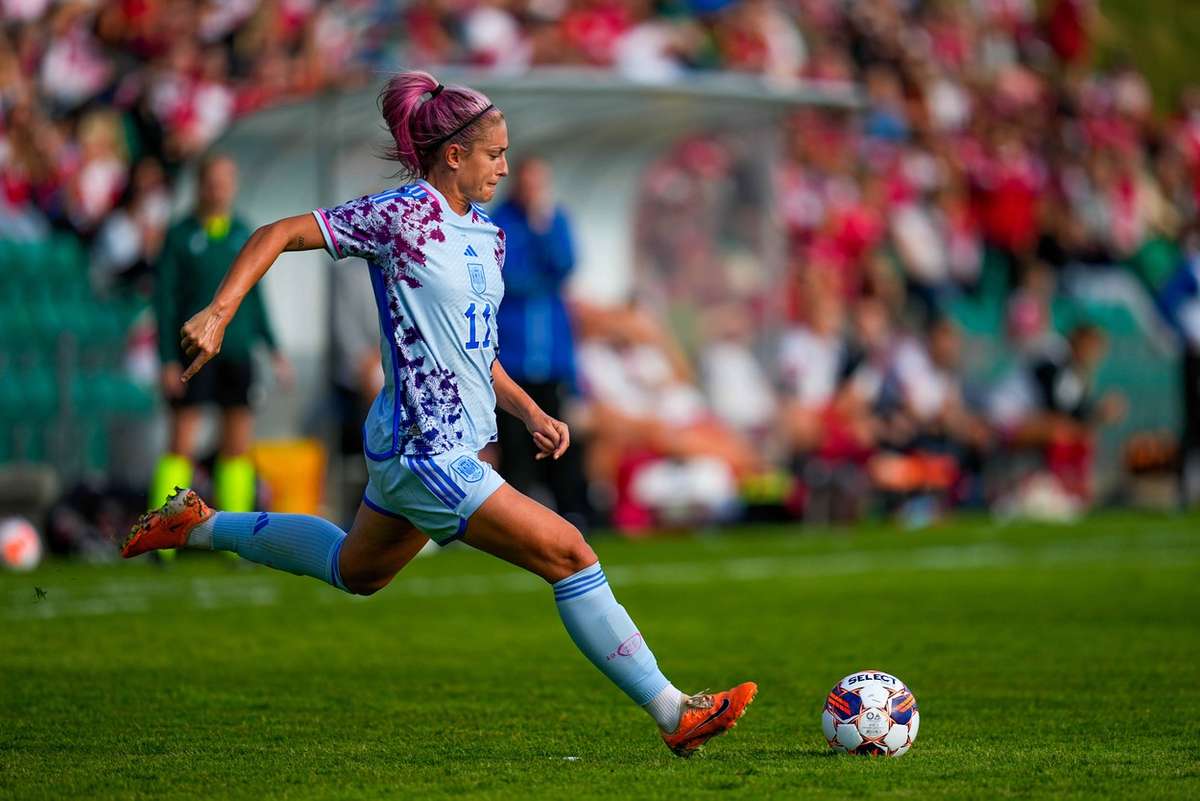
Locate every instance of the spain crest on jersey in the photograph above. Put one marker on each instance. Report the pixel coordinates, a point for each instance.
(468, 468)
(478, 278)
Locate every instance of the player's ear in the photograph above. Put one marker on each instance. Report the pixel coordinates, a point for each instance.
(454, 156)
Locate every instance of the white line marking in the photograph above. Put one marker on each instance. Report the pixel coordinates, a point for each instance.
(140, 596)
(133, 597)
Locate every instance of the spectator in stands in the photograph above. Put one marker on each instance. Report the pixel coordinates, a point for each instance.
(1066, 412)
(934, 437)
(811, 357)
(847, 431)
(654, 442)
(535, 333)
(1179, 299)
(195, 257)
(129, 240)
(1029, 312)
(737, 387)
(98, 179)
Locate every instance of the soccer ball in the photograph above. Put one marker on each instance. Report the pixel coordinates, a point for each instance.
(872, 714)
(20, 545)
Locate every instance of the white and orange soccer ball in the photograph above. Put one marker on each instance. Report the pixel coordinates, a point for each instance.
(20, 545)
(871, 713)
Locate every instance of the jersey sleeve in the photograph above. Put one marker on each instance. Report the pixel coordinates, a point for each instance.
(356, 228)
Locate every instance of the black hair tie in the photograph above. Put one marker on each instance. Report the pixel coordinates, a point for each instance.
(437, 90)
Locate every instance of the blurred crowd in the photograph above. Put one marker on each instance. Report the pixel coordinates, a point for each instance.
(990, 153)
(992, 169)
(102, 102)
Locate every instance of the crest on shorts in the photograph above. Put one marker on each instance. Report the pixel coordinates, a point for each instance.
(478, 279)
(468, 468)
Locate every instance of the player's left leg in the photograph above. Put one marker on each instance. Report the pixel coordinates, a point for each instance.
(376, 549)
(521, 531)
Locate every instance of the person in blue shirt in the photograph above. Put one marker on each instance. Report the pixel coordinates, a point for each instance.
(538, 343)
(1179, 301)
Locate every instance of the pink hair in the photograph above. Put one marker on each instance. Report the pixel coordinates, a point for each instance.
(420, 122)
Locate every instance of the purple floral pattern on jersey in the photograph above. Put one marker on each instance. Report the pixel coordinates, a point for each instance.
(499, 248)
(418, 223)
(432, 409)
(391, 231)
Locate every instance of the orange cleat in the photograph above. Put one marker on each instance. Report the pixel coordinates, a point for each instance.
(707, 715)
(168, 526)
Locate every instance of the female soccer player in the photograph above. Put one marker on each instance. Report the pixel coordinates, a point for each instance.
(435, 260)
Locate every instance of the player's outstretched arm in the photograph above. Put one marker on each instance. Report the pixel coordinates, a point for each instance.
(201, 336)
(551, 436)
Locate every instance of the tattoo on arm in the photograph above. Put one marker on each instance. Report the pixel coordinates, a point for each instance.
(297, 243)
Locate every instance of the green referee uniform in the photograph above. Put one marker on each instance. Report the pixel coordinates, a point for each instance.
(195, 257)
(192, 264)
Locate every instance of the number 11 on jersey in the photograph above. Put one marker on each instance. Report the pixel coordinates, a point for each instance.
(473, 342)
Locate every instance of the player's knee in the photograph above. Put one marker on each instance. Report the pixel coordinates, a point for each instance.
(582, 556)
(572, 556)
(365, 585)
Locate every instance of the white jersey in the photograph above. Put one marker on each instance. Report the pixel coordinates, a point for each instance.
(809, 365)
(437, 281)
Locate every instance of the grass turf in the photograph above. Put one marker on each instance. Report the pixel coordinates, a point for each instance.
(1048, 662)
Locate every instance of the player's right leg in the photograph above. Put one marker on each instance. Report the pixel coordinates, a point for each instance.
(520, 530)
(361, 562)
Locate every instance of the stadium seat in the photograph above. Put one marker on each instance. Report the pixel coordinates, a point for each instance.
(977, 317)
(10, 271)
(11, 398)
(29, 441)
(40, 391)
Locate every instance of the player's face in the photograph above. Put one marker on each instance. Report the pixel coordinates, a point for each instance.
(485, 164)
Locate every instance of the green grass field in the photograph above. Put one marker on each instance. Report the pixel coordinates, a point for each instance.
(1048, 662)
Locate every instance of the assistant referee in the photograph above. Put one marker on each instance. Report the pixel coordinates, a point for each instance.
(196, 254)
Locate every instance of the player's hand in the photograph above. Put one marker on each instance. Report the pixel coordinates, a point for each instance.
(172, 387)
(200, 339)
(551, 436)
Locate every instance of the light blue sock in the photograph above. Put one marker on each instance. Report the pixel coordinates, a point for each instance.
(300, 544)
(602, 629)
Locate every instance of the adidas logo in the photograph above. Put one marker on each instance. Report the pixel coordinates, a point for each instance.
(470, 251)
